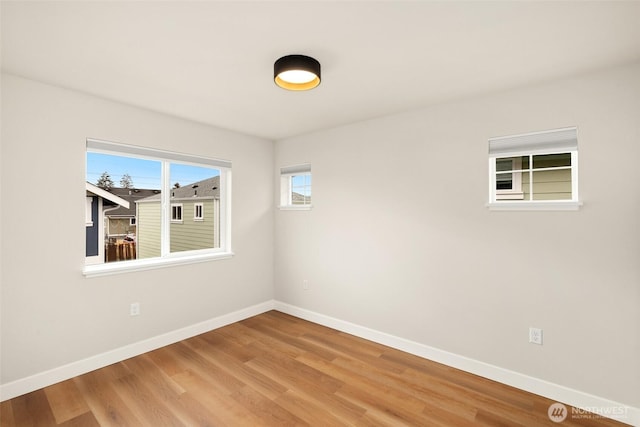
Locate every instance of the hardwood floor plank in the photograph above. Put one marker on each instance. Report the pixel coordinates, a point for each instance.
(6, 414)
(144, 405)
(155, 378)
(242, 371)
(304, 407)
(224, 409)
(66, 401)
(267, 410)
(277, 370)
(33, 409)
(106, 405)
(85, 420)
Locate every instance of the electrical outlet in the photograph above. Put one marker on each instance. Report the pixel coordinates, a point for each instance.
(305, 284)
(134, 310)
(535, 336)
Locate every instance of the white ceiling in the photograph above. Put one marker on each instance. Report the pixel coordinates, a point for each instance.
(212, 61)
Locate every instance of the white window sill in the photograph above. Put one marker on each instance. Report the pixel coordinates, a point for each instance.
(541, 205)
(150, 264)
(295, 207)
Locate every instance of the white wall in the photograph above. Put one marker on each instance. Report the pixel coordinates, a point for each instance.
(399, 239)
(51, 314)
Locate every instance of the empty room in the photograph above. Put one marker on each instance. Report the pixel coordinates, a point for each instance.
(322, 213)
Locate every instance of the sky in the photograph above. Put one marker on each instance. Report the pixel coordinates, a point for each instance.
(145, 174)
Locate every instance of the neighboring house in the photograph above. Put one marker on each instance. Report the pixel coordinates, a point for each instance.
(121, 222)
(195, 219)
(300, 199)
(98, 202)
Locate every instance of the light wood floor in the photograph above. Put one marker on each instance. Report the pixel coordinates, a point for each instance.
(277, 370)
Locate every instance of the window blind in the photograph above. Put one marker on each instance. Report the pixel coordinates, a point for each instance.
(151, 153)
(304, 168)
(552, 141)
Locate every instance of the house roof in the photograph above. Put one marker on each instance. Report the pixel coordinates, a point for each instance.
(114, 199)
(131, 195)
(206, 189)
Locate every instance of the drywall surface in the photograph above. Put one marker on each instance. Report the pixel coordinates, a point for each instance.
(51, 314)
(400, 240)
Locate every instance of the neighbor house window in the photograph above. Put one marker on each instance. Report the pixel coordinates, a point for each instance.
(534, 171)
(154, 190)
(295, 187)
(198, 211)
(176, 212)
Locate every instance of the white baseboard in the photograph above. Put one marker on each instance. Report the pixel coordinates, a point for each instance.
(559, 393)
(53, 376)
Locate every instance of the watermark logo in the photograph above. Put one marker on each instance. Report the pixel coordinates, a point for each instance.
(557, 412)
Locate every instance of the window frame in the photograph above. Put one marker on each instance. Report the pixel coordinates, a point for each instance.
(167, 258)
(196, 207)
(174, 209)
(556, 141)
(286, 186)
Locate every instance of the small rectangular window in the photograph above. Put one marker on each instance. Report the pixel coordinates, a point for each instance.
(295, 187)
(176, 212)
(536, 170)
(198, 212)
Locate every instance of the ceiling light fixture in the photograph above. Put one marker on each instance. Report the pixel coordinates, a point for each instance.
(296, 72)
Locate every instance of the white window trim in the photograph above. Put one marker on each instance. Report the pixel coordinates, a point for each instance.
(195, 211)
(168, 259)
(88, 220)
(132, 221)
(97, 259)
(536, 143)
(286, 174)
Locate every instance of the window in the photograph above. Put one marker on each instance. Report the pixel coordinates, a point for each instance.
(534, 171)
(198, 212)
(176, 212)
(295, 187)
(161, 189)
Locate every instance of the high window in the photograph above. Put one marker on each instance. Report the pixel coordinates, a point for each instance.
(534, 171)
(295, 187)
(138, 200)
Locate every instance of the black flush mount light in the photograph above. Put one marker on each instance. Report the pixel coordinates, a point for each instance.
(296, 72)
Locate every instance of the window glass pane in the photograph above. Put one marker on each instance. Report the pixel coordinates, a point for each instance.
(504, 181)
(504, 164)
(552, 160)
(195, 187)
(115, 235)
(552, 184)
(301, 189)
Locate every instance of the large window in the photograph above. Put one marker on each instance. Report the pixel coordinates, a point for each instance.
(141, 201)
(295, 187)
(534, 171)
